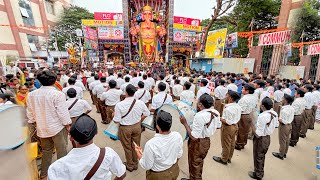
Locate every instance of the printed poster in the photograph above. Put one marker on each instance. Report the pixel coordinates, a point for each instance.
(215, 43)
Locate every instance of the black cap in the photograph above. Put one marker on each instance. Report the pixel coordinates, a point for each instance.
(84, 129)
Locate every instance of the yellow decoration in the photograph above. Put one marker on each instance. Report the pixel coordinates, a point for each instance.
(147, 8)
(215, 43)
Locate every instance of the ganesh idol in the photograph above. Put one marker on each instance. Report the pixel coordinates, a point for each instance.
(146, 34)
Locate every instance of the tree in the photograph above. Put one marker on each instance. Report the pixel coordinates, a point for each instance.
(70, 20)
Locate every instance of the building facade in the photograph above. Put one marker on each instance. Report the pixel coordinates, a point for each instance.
(24, 25)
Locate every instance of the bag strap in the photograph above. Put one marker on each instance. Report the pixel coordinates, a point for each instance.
(74, 102)
(96, 166)
(212, 116)
(272, 116)
(134, 101)
(165, 98)
(144, 92)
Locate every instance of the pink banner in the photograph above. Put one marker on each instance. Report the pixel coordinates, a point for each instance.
(313, 49)
(188, 21)
(108, 16)
(89, 33)
(280, 37)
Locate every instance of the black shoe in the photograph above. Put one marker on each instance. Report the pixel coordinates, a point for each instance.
(229, 161)
(103, 122)
(285, 156)
(302, 136)
(238, 148)
(219, 160)
(292, 145)
(253, 175)
(277, 155)
(311, 128)
(185, 179)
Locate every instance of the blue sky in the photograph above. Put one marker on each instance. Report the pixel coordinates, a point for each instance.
(200, 9)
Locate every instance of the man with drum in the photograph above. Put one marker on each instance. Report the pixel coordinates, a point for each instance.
(204, 125)
(162, 152)
(187, 95)
(142, 94)
(129, 113)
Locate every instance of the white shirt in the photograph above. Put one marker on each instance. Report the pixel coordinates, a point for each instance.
(286, 114)
(287, 91)
(264, 94)
(78, 90)
(119, 81)
(90, 80)
(157, 100)
(80, 107)
(278, 95)
(146, 96)
(151, 81)
(147, 85)
(199, 128)
(309, 99)
(201, 91)
(316, 95)
(111, 78)
(193, 88)
(177, 90)
(87, 74)
(93, 84)
(124, 77)
(167, 86)
(11, 70)
(232, 113)
(262, 128)
(123, 87)
(99, 89)
(47, 107)
(299, 105)
(79, 161)
(220, 92)
(258, 92)
(111, 97)
(80, 84)
(135, 81)
(232, 87)
(187, 96)
(162, 151)
(183, 80)
(248, 103)
(122, 108)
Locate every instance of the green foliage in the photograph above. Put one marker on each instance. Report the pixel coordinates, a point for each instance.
(69, 21)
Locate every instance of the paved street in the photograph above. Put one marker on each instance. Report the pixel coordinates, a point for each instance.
(299, 164)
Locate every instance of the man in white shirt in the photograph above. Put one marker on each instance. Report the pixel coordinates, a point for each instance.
(287, 90)
(129, 113)
(231, 86)
(203, 88)
(119, 81)
(94, 83)
(71, 83)
(262, 130)
(308, 112)
(89, 80)
(76, 106)
(47, 108)
(248, 104)
(220, 93)
(177, 89)
(162, 152)
(111, 98)
(230, 117)
(135, 79)
(192, 87)
(161, 79)
(151, 81)
(11, 69)
(127, 74)
(316, 95)
(101, 87)
(187, 95)
(285, 118)
(299, 105)
(278, 96)
(142, 94)
(204, 125)
(85, 154)
(111, 76)
(185, 78)
(147, 84)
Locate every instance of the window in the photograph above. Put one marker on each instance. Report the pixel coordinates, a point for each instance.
(26, 12)
(50, 7)
(33, 42)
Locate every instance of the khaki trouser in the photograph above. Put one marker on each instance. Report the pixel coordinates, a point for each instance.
(170, 174)
(96, 102)
(128, 135)
(109, 111)
(313, 117)
(91, 95)
(306, 122)
(102, 107)
(277, 107)
(244, 127)
(197, 152)
(59, 141)
(284, 138)
(296, 128)
(260, 148)
(218, 105)
(228, 140)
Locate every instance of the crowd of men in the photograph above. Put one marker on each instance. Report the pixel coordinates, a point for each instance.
(242, 107)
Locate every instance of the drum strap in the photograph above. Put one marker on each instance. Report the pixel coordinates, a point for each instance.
(134, 101)
(165, 98)
(74, 102)
(96, 166)
(212, 116)
(144, 92)
(272, 116)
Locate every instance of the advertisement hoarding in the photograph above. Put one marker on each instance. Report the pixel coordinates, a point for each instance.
(108, 16)
(108, 33)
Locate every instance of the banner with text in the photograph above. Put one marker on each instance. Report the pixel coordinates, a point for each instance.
(108, 16)
(187, 27)
(89, 33)
(215, 43)
(182, 35)
(313, 49)
(93, 22)
(280, 37)
(232, 41)
(109, 33)
(187, 21)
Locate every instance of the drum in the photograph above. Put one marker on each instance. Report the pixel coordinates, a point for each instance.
(112, 130)
(176, 109)
(11, 126)
(148, 123)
